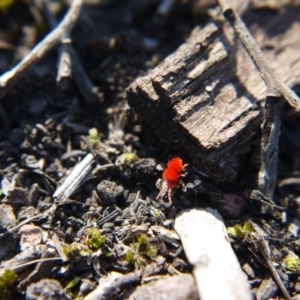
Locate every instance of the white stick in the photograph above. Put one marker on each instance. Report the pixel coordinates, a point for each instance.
(79, 174)
(206, 244)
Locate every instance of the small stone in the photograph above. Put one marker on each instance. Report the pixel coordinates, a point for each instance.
(18, 197)
(30, 235)
(109, 225)
(27, 212)
(233, 206)
(109, 191)
(7, 247)
(175, 288)
(86, 287)
(155, 267)
(46, 289)
(179, 264)
(7, 217)
(145, 166)
(5, 185)
(69, 235)
(209, 88)
(267, 289)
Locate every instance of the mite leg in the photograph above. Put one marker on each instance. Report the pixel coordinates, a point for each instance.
(162, 191)
(170, 195)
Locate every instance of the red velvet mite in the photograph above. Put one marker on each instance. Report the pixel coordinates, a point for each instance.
(171, 175)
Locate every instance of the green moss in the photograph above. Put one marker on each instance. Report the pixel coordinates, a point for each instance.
(292, 263)
(140, 251)
(151, 251)
(73, 251)
(7, 279)
(126, 158)
(129, 158)
(142, 239)
(129, 257)
(240, 231)
(66, 250)
(95, 240)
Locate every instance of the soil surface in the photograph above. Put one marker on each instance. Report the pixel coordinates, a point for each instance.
(112, 221)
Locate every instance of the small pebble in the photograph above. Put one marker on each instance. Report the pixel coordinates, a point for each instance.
(86, 287)
(7, 217)
(46, 289)
(233, 206)
(18, 197)
(108, 192)
(30, 235)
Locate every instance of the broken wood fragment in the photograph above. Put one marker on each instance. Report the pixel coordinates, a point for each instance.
(276, 90)
(204, 100)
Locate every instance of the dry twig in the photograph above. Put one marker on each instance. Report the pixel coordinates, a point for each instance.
(264, 249)
(259, 196)
(275, 91)
(69, 64)
(64, 69)
(8, 79)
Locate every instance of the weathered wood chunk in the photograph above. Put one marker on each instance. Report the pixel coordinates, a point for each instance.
(204, 99)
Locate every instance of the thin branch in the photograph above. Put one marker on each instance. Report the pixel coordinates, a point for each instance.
(69, 65)
(275, 88)
(48, 212)
(260, 197)
(8, 79)
(64, 69)
(40, 260)
(264, 250)
(267, 176)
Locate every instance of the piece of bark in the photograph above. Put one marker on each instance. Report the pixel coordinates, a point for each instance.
(215, 267)
(204, 99)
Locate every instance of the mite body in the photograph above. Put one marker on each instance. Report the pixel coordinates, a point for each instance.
(172, 174)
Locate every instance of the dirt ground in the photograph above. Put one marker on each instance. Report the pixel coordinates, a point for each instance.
(46, 128)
